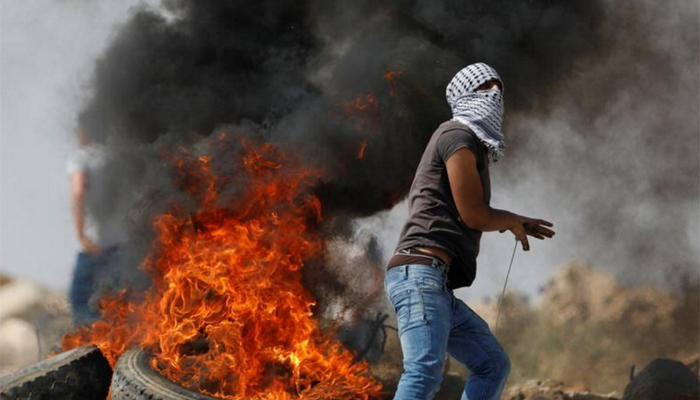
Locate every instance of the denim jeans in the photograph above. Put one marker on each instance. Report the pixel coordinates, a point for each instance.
(432, 322)
(88, 269)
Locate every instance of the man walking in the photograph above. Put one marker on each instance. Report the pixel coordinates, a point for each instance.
(448, 211)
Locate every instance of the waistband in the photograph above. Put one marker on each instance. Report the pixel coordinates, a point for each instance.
(411, 256)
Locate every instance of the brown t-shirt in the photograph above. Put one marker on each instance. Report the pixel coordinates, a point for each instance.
(433, 219)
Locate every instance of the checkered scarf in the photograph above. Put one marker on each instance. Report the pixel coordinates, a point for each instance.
(481, 111)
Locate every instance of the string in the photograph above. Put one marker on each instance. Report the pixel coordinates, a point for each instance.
(500, 301)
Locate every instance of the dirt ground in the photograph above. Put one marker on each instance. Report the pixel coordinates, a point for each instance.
(585, 329)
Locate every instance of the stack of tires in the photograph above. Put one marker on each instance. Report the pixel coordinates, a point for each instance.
(85, 374)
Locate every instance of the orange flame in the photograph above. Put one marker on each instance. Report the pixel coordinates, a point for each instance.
(360, 105)
(364, 110)
(361, 150)
(227, 314)
(390, 77)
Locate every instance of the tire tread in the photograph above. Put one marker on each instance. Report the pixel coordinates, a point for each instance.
(134, 379)
(78, 374)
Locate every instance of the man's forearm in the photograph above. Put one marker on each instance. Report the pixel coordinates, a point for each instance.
(78, 181)
(492, 219)
(79, 218)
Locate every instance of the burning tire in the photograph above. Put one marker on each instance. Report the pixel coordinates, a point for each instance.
(81, 373)
(135, 380)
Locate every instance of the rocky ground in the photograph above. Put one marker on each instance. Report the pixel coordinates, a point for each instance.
(588, 329)
(585, 329)
(32, 322)
(553, 390)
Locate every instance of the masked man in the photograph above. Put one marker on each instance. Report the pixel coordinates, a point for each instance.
(448, 211)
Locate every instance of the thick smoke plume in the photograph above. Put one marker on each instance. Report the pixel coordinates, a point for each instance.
(326, 79)
(356, 90)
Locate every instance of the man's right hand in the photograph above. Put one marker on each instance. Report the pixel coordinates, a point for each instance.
(537, 228)
(90, 247)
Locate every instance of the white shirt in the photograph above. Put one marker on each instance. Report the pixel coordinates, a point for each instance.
(104, 217)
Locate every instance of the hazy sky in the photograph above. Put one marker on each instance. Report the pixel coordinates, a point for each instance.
(48, 49)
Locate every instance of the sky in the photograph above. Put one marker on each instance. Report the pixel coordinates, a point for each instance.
(47, 53)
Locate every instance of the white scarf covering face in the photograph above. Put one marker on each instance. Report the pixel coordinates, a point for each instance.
(481, 111)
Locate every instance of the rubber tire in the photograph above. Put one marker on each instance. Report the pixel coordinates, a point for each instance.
(663, 379)
(79, 374)
(134, 379)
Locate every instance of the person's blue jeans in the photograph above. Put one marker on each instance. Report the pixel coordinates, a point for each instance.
(88, 269)
(431, 322)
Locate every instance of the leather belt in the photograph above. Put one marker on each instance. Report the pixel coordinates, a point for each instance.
(413, 256)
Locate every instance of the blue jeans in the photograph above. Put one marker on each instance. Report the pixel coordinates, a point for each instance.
(88, 269)
(432, 322)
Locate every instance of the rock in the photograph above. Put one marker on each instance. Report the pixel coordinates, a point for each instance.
(21, 298)
(33, 320)
(553, 390)
(663, 379)
(4, 279)
(18, 298)
(693, 363)
(19, 344)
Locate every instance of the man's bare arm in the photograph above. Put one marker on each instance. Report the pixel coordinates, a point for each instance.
(467, 191)
(78, 183)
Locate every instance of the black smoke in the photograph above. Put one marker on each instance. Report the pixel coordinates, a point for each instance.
(289, 68)
(325, 81)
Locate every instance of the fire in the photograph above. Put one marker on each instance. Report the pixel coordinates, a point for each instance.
(361, 150)
(227, 314)
(390, 76)
(361, 106)
(364, 112)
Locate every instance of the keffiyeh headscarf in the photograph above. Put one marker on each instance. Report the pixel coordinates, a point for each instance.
(482, 111)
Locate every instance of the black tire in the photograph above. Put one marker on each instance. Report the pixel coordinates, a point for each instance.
(134, 379)
(79, 374)
(663, 379)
